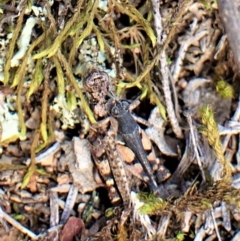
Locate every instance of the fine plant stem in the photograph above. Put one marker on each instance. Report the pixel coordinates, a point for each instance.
(194, 142)
(165, 72)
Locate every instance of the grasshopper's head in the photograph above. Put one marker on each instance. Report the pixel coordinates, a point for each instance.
(119, 108)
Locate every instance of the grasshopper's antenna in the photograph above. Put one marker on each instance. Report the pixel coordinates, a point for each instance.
(112, 96)
(112, 100)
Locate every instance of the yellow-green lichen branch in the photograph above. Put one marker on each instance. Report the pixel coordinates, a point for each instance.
(74, 83)
(12, 44)
(134, 14)
(60, 76)
(32, 168)
(19, 81)
(61, 36)
(36, 79)
(137, 81)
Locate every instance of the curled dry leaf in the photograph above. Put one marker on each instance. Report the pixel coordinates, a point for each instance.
(83, 165)
(46, 158)
(33, 122)
(156, 132)
(78, 159)
(191, 94)
(201, 91)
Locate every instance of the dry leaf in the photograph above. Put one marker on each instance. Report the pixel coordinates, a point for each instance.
(63, 179)
(32, 185)
(73, 227)
(33, 122)
(12, 234)
(156, 132)
(78, 159)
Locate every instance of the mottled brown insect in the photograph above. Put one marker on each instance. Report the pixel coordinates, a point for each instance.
(117, 167)
(129, 130)
(108, 161)
(105, 150)
(96, 86)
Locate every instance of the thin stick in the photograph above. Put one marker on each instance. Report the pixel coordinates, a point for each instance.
(215, 224)
(17, 225)
(194, 142)
(165, 72)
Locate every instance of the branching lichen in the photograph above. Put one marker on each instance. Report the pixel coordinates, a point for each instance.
(12, 45)
(59, 57)
(134, 14)
(36, 79)
(73, 81)
(32, 167)
(19, 81)
(61, 37)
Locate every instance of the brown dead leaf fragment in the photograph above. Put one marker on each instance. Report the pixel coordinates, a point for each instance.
(33, 122)
(12, 234)
(156, 132)
(32, 185)
(73, 227)
(78, 159)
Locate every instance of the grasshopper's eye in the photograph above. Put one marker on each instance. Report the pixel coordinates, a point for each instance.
(125, 105)
(115, 111)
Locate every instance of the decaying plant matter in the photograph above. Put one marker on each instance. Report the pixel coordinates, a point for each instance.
(67, 68)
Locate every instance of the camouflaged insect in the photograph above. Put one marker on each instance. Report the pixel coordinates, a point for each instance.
(96, 84)
(106, 153)
(108, 161)
(129, 130)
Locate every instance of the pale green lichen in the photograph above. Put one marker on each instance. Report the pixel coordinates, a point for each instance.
(9, 121)
(68, 115)
(91, 57)
(103, 4)
(23, 41)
